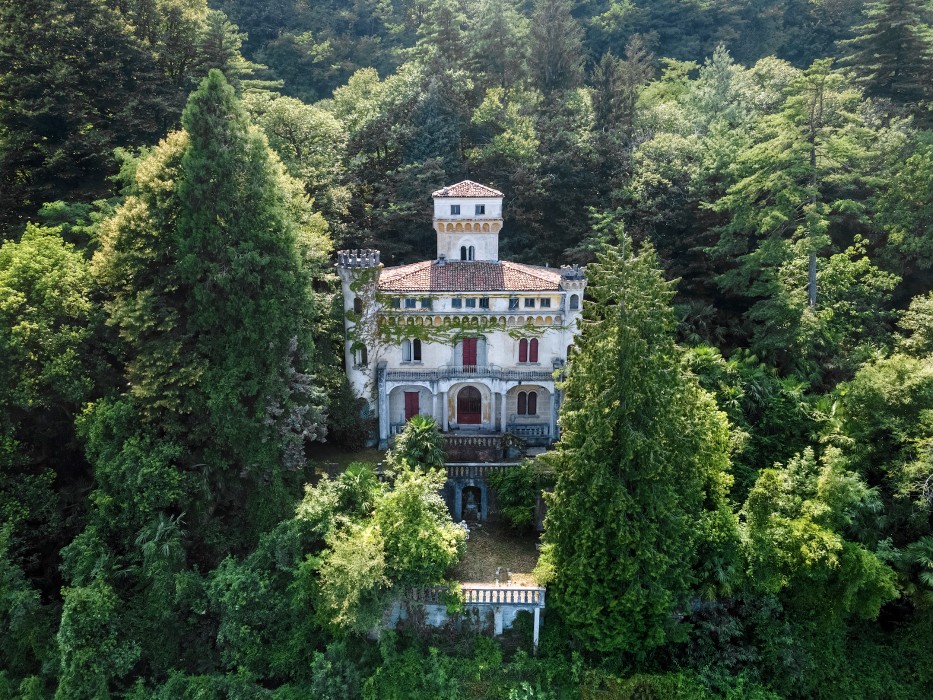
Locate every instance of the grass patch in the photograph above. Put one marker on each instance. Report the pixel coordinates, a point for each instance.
(496, 545)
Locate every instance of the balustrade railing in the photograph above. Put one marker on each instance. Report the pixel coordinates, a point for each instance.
(526, 430)
(483, 594)
(469, 372)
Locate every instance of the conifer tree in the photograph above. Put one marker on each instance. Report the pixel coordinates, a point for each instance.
(892, 52)
(641, 470)
(210, 265)
(556, 56)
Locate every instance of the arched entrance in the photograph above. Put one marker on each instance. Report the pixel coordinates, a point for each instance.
(469, 406)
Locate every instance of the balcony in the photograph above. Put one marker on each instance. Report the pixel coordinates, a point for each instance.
(470, 372)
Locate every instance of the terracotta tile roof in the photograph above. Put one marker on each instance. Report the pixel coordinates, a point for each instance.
(467, 188)
(476, 276)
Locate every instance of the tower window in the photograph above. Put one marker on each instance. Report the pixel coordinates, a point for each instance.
(454, 209)
(480, 209)
(463, 252)
(416, 350)
(471, 253)
(357, 305)
(574, 302)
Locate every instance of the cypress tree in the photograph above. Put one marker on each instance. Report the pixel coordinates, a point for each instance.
(638, 521)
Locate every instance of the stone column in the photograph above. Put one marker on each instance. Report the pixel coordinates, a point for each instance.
(537, 629)
(444, 416)
(504, 415)
(383, 405)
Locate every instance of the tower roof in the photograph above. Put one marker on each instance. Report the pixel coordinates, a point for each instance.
(467, 188)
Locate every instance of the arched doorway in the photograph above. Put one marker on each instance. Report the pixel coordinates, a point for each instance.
(469, 406)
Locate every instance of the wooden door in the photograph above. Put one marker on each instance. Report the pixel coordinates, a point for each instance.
(469, 352)
(411, 405)
(469, 406)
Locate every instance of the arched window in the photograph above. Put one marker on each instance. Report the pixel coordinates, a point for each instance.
(523, 350)
(362, 356)
(522, 403)
(406, 351)
(416, 350)
(532, 403)
(357, 305)
(533, 350)
(574, 302)
(463, 252)
(471, 253)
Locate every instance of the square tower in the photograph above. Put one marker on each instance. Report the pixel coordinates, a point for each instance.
(467, 219)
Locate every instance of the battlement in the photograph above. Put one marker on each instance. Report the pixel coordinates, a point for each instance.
(358, 258)
(572, 272)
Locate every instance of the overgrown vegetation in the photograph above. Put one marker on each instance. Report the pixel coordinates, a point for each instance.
(743, 490)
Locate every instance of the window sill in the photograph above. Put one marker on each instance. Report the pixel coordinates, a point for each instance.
(411, 362)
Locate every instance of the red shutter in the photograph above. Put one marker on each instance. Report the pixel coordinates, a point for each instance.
(533, 350)
(522, 403)
(532, 403)
(411, 405)
(523, 350)
(469, 352)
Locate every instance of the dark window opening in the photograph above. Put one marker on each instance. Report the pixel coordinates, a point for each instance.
(454, 209)
(513, 303)
(529, 303)
(545, 303)
(426, 303)
(574, 302)
(357, 305)
(456, 303)
(480, 208)
(396, 303)
(484, 302)
(523, 350)
(471, 303)
(416, 350)
(410, 303)
(463, 252)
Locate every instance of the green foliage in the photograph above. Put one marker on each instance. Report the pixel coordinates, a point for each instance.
(352, 582)
(215, 250)
(420, 444)
(421, 542)
(641, 467)
(517, 490)
(93, 654)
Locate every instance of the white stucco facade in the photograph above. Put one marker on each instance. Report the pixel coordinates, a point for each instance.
(473, 342)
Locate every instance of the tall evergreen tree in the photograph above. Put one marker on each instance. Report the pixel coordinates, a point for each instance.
(641, 470)
(892, 52)
(556, 46)
(210, 265)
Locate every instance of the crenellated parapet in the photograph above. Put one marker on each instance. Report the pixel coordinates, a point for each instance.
(363, 258)
(572, 278)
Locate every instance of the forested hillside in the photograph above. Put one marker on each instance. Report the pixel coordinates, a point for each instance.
(744, 508)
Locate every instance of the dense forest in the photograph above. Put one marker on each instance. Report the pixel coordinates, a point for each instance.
(742, 511)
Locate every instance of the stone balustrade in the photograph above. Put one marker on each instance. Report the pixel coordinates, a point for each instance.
(470, 372)
(484, 594)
